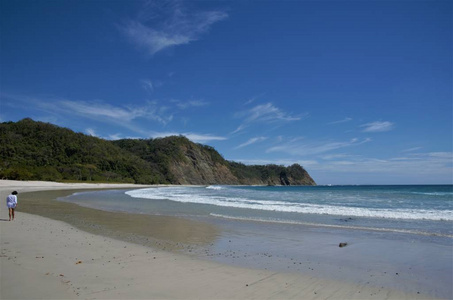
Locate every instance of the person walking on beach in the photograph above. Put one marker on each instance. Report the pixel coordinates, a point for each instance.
(11, 202)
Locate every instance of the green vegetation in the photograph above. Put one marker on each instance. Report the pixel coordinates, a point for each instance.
(32, 150)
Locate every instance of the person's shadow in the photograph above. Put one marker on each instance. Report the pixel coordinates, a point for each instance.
(4, 219)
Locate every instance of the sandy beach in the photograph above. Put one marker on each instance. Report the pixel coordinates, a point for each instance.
(45, 257)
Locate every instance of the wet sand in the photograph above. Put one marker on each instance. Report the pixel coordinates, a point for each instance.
(164, 232)
(74, 252)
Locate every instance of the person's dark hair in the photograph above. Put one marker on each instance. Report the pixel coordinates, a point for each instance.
(14, 193)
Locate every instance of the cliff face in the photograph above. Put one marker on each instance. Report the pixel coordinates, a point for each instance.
(197, 167)
(198, 164)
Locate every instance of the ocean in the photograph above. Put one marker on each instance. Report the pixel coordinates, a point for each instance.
(421, 209)
(403, 230)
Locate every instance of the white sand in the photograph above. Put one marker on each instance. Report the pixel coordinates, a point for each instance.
(47, 259)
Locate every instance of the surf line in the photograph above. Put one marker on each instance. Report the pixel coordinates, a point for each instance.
(333, 226)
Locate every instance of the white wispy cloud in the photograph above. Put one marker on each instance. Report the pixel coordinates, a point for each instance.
(337, 156)
(299, 147)
(441, 155)
(100, 109)
(340, 121)
(264, 113)
(203, 138)
(195, 137)
(253, 99)
(282, 162)
(268, 113)
(250, 101)
(187, 104)
(252, 141)
(150, 85)
(411, 149)
(432, 163)
(240, 128)
(162, 26)
(115, 136)
(127, 116)
(378, 126)
(147, 85)
(91, 132)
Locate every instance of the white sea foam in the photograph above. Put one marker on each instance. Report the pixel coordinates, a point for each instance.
(214, 187)
(434, 194)
(185, 195)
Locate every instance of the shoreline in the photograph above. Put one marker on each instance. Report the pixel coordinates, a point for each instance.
(96, 266)
(163, 232)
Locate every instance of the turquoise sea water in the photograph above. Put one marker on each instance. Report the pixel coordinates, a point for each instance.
(398, 237)
(421, 209)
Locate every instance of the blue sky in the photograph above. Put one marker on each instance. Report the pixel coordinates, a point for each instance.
(357, 92)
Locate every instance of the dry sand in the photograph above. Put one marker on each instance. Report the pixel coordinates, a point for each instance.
(42, 258)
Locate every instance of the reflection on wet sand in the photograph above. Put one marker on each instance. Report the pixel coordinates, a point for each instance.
(169, 233)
